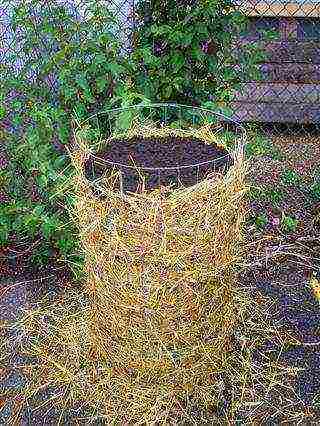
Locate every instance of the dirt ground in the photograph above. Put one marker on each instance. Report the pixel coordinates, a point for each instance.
(278, 270)
(280, 267)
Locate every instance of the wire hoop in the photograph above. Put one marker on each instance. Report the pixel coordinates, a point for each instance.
(241, 139)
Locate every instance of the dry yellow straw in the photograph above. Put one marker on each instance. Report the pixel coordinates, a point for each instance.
(152, 342)
(160, 274)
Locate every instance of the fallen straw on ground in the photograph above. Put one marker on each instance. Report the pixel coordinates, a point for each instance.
(160, 283)
(155, 335)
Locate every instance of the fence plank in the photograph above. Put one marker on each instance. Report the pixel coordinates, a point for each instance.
(290, 73)
(279, 8)
(279, 92)
(293, 51)
(276, 112)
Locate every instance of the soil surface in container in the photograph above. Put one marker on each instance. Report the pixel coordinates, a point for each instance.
(167, 152)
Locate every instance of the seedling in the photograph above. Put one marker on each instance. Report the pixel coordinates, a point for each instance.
(275, 196)
(290, 178)
(261, 221)
(289, 223)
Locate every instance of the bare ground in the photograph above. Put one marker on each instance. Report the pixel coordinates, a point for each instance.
(278, 271)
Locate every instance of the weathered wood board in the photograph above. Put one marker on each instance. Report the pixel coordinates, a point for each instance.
(293, 51)
(279, 8)
(290, 73)
(276, 112)
(279, 92)
(289, 90)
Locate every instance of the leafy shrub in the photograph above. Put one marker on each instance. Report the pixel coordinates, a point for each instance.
(77, 69)
(69, 66)
(187, 52)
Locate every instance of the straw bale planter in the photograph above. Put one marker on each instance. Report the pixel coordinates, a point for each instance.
(160, 273)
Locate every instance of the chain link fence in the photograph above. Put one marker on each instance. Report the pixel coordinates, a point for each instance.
(285, 97)
(285, 100)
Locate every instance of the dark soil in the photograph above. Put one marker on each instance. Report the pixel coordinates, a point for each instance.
(295, 313)
(172, 152)
(15, 262)
(284, 281)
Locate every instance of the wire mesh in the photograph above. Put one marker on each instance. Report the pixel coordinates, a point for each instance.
(285, 97)
(226, 132)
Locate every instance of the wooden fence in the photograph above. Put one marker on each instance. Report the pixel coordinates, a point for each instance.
(289, 91)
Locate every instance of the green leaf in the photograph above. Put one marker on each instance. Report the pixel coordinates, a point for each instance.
(100, 59)
(202, 29)
(3, 112)
(64, 133)
(39, 210)
(17, 120)
(178, 61)
(4, 234)
(147, 56)
(114, 68)
(167, 91)
(289, 223)
(68, 91)
(101, 83)
(49, 226)
(16, 105)
(80, 110)
(261, 220)
(31, 223)
(160, 29)
(87, 96)
(65, 244)
(82, 81)
(124, 120)
(42, 180)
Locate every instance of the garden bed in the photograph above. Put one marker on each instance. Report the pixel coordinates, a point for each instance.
(280, 263)
(168, 160)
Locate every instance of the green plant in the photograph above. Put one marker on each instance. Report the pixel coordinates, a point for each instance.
(267, 195)
(289, 223)
(259, 145)
(290, 177)
(78, 69)
(261, 220)
(184, 52)
(275, 196)
(181, 54)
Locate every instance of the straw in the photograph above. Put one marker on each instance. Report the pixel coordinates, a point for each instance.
(155, 335)
(160, 275)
